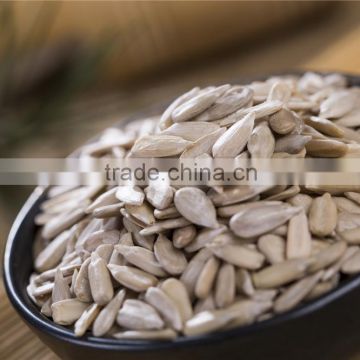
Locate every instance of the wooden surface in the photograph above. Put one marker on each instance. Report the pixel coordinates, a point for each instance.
(158, 34)
(333, 45)
(16, 340)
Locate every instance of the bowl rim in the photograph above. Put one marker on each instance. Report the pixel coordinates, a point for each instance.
(38, 321)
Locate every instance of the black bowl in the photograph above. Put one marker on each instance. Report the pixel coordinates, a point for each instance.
(327, 328)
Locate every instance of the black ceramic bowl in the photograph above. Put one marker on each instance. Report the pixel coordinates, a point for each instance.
(327, 328)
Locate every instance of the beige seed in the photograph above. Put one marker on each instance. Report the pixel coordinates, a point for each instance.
(280, 274)
(49, 275)
(337, 104)
(284, 155)
(259, 220)
(105, 251)
(100, 282)
(354, 196)
(244, 283)
(61, 222)
(52, 254)
(325, 126)
(116, 259)
(184, 236)
(332, 270)
(347, 221)
(274, 190)
(280, 90)
(195, 206)
(207, 304)
(245, 312)
(43, 290)
(166, 120)
(326, 148)
(65, 194)
(302, 200)
(273, 247)
(225, 287)
(82, 286)
(292, 144)
(207, 278)
(46, 308)
(238, 255)
(169, 213)
(86, 319)
(105, 199)
(235, 194)
(344, 204)
(319, 245)
(164, 225)
(143, 213)
(260, 110)
(233, 99)
(284, 195)
(43, 218)
(280, 231)
(327, 256)
(66, 312)
(30, 290)
(143, 258)
(137, 315)
(97, 238)
(206, 322)
(233, 141)
(61, 290)
(352, 265)
(165, 306)
(193, 270)
(298, 243)
(108, 211)
(203, 145)
(159, 146)
(198, 104)
(351, 119)
(107, 315)
(264, 295)
(283, 122)
(351, 236)
(92, 226)
(142, 240)
(296, 293)
(204, 237)
(323, 216)
(351, 136)
(322, 288)
(132, 278)
(177, 292)
(159, 195)
(230, 210)
(132, 195)
(310, 131)
(262, 142)
(191, 130)
(170, 258)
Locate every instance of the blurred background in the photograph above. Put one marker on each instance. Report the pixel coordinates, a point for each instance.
(69, 69)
